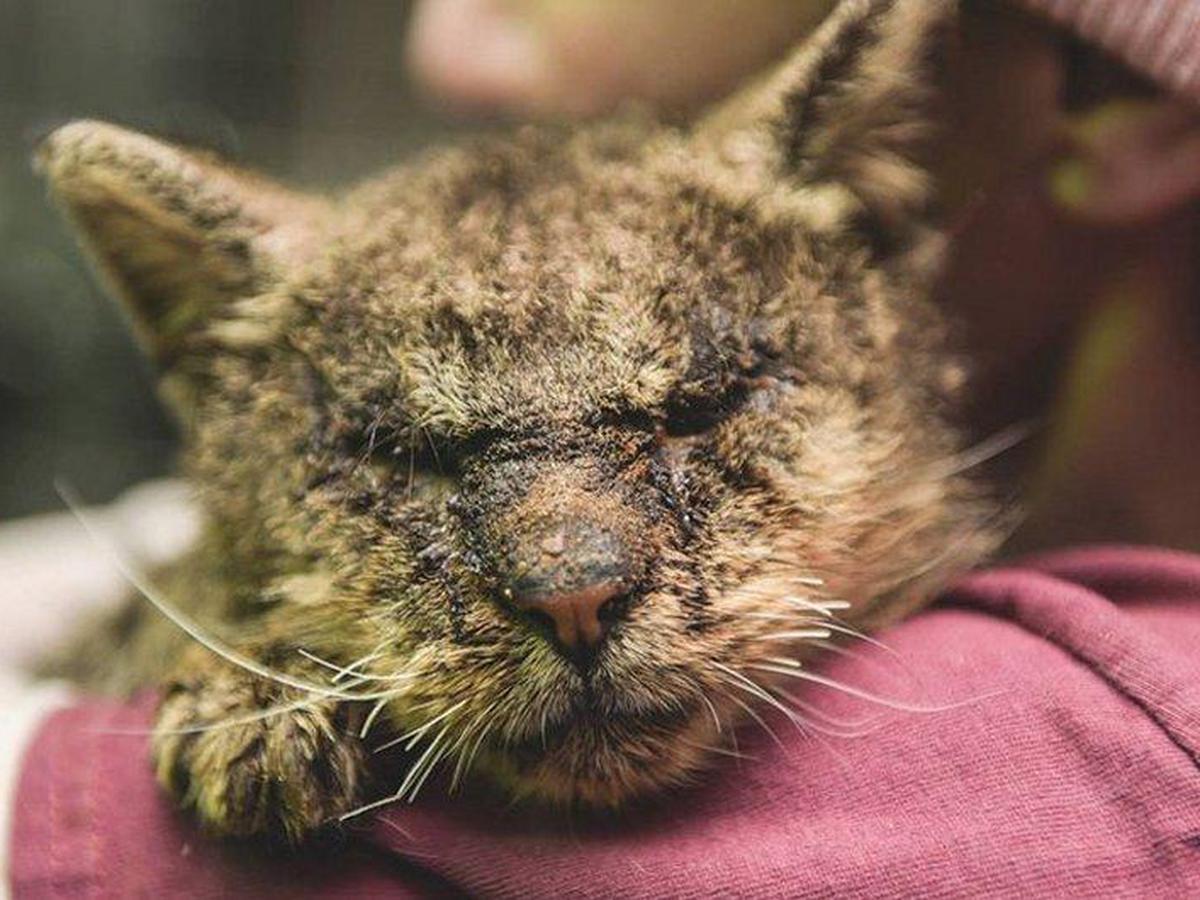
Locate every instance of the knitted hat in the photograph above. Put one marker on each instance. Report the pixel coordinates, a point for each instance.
(1158, 38)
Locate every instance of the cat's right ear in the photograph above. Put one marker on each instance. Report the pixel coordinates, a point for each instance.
(176, 234)
(833, 138)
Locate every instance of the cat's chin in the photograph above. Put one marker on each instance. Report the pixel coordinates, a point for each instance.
(607, 764)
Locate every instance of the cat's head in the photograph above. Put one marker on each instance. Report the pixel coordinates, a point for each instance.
(581, 437)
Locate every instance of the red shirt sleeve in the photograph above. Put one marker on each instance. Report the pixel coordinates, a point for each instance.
(1041, 736)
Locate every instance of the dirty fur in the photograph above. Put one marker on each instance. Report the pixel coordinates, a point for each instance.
(713, 342)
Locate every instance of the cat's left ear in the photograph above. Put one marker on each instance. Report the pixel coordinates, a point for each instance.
(833, 138)
(176, 234)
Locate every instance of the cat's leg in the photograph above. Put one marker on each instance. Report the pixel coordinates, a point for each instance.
(250, 756)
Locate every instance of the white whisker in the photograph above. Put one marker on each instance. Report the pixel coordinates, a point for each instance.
(463, 743)
(248, 719)
(372, 716)
(860, 694)
(712, 710)
(412, 737)
(350, 670)
(185, 624)
(404, 786)
(749, 710)
(784, 617)
(756, 690)
(857, 726)
(721, 751)
(822, 607)
(987, 449)
(470, 758)
(429, 766)
(858, 635)
(803, 634)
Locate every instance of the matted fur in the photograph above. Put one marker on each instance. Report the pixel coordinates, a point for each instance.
(716, 342)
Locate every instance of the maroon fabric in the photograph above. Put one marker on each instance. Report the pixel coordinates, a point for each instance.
(1065, 760)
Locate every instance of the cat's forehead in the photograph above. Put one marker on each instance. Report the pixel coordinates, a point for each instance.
(512, 232)
(554, 279)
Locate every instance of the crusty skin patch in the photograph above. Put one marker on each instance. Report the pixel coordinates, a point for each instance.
(714, 345)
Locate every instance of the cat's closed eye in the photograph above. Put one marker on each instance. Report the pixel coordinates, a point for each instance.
(416, 461)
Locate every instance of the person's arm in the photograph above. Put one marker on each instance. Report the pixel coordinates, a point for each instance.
(54, 578)
(1038, 734)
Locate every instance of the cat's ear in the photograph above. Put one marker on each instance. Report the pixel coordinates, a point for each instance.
(833, 137)
(177, 235)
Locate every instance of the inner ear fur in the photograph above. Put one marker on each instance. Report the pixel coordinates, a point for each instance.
(835, 136)
(176, 234)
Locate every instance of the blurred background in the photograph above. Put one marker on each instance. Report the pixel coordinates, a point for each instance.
(284, 85)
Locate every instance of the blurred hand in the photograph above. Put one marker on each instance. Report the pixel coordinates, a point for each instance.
(582, 57)
(1131, 163)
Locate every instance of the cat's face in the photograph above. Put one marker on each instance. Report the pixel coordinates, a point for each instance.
(574, 441)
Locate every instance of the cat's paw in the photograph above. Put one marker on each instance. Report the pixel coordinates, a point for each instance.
(251, 764)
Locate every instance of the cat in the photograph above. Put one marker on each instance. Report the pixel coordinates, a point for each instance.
(549, 457)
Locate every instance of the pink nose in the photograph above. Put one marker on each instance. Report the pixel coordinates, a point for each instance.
(575, 612)
(568, 572)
